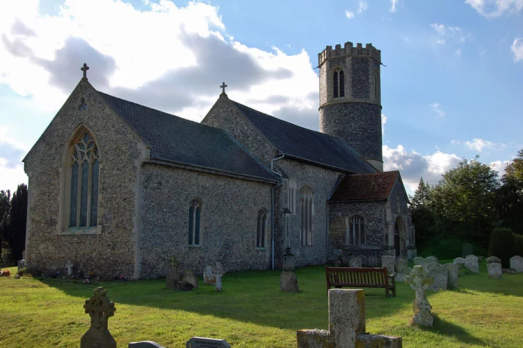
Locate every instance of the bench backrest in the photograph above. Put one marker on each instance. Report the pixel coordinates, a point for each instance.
(356, 276)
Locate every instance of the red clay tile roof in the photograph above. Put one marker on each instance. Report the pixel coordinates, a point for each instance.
(365, 187)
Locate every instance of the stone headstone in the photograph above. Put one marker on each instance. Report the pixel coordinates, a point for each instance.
(171, 276)
(440, 275)
(425, 261)
(420, 281)
(69, 266)
(494, 270)
(288, 282)
(460, 262)
(218, 274)
(190, 278)
(493, 259)
(145, 344)
(467, 249)
(346, 325)
(472, 264)
(289, 261)
(203, 342)
(389, 262)
(21, 264)
(402, 270)
(516, 262)
(453, 274)
(208, 275)
(355, 262)
(100, 309)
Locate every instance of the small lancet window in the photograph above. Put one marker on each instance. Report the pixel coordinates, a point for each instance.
(82, 105)
(307, 215)
(338, 84)
(355, 231)
(376, 86)
(84, 179)
(195, 211)
(261, 228)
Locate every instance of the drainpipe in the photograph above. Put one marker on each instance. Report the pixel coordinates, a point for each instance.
(273, 206)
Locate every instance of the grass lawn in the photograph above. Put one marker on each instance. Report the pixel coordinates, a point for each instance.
(253, 312)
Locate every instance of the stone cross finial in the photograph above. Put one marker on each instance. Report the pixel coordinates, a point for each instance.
(420, 281)
(99, 309)
(223, 87)
(84, 69)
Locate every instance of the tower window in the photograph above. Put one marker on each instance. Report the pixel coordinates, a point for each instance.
(338, 84)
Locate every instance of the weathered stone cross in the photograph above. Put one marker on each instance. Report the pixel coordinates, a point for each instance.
(84, 69)
(223, 87)
(69, 266)
(99, 309)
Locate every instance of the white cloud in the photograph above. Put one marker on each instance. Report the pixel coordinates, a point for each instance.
(383, 121)
(393, 4)
(448, 33)
(496, 8)
(436, 107)
(362, 6)
(413, 165)
(517, 49)
(500, 167)
(349, 14)
(479, 145)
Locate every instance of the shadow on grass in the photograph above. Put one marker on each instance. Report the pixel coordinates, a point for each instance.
(253, 297)
(445, 328)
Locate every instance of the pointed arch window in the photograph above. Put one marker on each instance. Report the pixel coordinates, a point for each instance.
(195, 212)
(338, 80)
(83, 174)
(307, 215)
(355, 230)
(376, 86)
(261, 228)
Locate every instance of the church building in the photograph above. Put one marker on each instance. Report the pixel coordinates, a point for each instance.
(117, 188)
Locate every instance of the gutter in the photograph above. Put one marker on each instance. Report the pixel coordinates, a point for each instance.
(273, 206)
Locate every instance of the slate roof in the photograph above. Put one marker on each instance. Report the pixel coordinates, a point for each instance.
(365, 187)
(305, 144)
(178, 140)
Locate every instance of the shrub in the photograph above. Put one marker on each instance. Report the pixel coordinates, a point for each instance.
(519, 244)
(23, 272)
(503, 245)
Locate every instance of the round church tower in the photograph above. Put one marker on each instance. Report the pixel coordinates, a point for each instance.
(350, 98)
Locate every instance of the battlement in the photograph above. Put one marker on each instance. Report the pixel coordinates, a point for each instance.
(349, 50)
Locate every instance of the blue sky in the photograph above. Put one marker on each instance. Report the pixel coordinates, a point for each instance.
(452, 87)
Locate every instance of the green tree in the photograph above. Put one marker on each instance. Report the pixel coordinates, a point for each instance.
(423, 216)
(509, 197)
(5, 198)
(13, 225)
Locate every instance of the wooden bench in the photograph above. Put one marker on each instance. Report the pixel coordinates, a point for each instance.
(361, 278)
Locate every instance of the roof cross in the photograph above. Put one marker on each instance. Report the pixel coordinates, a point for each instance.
(84, 69)
(223, 87)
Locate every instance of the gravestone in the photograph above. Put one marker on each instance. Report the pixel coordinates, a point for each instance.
(145, 344)
(425, 261)
(69, 266)
(355, 262)
(218, 274)
(494, 267)
(288, 280)
(346, 325)
(21, 264)
(472, 263)
(516, 262)
(440, 275)
(453, 274)
(100, 309)
(171, 276)
(467, 249)
(208, 275)
(419, 280)
(203, 342)
(189, 279)
(402, 270)
(388, 261)
(460, 262)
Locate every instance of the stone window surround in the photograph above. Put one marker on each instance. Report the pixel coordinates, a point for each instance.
(337, 84)
(261, 229)
(65, 189)
(307, 216)
(197, 205)
(348, 223)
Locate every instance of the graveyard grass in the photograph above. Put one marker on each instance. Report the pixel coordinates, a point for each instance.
(253, 312)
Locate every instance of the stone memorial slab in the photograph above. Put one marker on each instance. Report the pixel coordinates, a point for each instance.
(516, 262)
(440, 275)
(21, 264)
(467, 249)
(288, 282)
(100, 309)
(460, 262)
(218, 274)
(145, 344)
(494, 270)
(453, 274)
(346, 325)
(208, 275)
(472, 263)
(203, 342)
(389, 262)
(355, 262)
(402, 270)
(190, 279)
(420, 281)
(171, 276)
(493, 259)
(425, 261)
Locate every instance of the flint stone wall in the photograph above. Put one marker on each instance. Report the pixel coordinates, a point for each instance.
(50, 245)
(228, 221)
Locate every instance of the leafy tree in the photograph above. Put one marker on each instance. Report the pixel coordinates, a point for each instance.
(423, 215)
(5, 197)
(509, 198)
(13, 225)
(515, 169)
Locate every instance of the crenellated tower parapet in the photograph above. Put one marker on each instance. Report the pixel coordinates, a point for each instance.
(350, 97)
